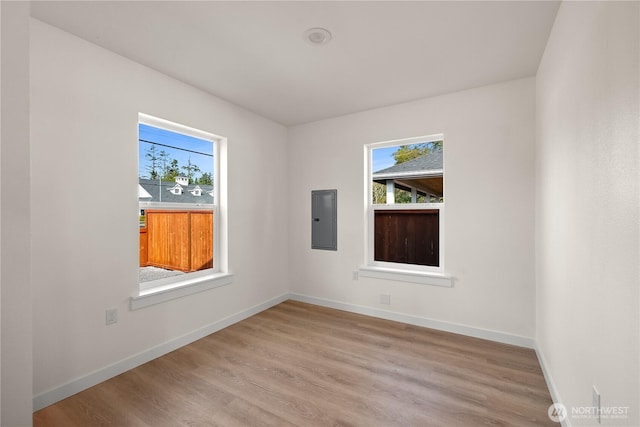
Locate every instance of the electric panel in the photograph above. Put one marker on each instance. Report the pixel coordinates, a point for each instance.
(324, 219)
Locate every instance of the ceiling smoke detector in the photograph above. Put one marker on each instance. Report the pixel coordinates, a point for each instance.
(317, 36)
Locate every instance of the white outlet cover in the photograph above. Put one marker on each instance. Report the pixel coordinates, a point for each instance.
(111, 316)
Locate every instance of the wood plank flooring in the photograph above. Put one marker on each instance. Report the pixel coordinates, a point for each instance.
(302, 365)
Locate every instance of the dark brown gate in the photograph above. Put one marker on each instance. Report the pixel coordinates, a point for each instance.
(408, 236)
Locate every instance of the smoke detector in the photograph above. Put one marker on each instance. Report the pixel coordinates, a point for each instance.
(317, 36)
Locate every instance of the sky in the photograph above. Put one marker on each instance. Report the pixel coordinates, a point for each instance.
(382, 158)
(180, 141)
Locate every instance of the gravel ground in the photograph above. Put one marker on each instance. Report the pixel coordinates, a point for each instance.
(154, 273)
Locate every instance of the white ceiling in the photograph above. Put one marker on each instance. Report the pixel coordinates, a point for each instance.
(254, 55)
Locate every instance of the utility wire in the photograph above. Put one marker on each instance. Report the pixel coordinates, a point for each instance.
(177, 148)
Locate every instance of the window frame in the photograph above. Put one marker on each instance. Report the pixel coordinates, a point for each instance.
(400, 271)
(155, 291)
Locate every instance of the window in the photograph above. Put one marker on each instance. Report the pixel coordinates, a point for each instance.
(179, 193)
(405, 213)
(176, 190)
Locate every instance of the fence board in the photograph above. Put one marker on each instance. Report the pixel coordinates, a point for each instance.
(201, 240)
(179, 239)
(144, 256)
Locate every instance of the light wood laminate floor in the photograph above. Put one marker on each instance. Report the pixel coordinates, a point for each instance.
(302, 365)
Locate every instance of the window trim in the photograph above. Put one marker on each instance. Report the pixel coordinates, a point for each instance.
(398, 271)
(186, 286)
(155, 291)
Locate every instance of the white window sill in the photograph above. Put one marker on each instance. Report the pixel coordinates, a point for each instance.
(167, 292)
(423, 278)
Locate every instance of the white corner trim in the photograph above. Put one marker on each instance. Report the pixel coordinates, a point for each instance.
(89, 380)
(440, 325)
(551, 385)
(423, 278)
(178, 289)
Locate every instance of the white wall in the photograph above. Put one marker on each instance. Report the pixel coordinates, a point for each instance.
(489, 193)
(588, 205)
(15, 296)
(85, 103)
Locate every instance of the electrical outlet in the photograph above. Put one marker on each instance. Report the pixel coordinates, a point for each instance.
(385, 299)
(595, 398)
(111, 316)
(355, 275)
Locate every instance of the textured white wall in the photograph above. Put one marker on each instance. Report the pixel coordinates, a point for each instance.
(16, 368)
(587, 206)
(85, 103)
(489, 193)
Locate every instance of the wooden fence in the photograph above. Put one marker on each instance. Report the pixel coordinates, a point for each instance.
(177, 239)
(407, 236)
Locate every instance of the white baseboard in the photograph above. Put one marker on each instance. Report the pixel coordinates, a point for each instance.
(89, 380)
(75, 386)
(456, 328)
(551, 385)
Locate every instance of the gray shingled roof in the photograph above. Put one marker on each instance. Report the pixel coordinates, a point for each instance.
(152, 186)
(419, 165)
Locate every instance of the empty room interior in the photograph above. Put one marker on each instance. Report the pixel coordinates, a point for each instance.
(320, 213)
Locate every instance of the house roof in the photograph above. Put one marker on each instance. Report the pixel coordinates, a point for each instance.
(155, 188)
(142, 193)
(424, 173)
(429, 164)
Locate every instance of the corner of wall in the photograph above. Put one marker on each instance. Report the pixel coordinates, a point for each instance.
(15, 303)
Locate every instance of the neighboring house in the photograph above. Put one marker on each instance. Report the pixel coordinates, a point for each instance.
(142, 193)
(156, 191)
(420, 176)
